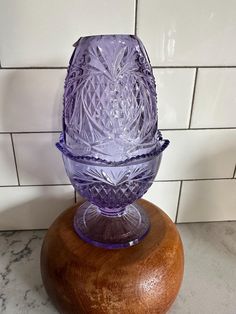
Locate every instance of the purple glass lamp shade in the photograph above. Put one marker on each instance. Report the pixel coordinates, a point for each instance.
(110, 142)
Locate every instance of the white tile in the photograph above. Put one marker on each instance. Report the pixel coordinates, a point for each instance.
(215, 98)
(212, 200)
(31, 100)
(164, 195)
(174, 96)
(41, 33)
(198, 154)
(7, 165)
(33, 207)
(38, 160)
(188, 32)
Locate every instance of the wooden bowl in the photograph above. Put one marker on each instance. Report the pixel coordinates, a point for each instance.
(81, 278)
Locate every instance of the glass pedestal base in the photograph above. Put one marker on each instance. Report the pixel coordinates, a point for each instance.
(125, 229)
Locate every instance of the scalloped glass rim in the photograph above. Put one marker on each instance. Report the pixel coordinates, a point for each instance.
(161, 146)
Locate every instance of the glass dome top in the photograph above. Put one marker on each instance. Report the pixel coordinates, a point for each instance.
(110, 106)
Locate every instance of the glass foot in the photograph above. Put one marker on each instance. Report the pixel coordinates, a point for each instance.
(125, 229)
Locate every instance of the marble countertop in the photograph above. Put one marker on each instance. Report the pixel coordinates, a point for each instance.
(209, 284)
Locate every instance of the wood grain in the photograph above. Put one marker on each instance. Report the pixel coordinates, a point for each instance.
(81, 278)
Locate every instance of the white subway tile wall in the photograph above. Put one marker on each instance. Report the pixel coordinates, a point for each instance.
(212, 200)
(198, 154)
(38, 160)
(33, 207)
(188, 32)
(174, 96)
(31, 100)
(41, 33)
(8, 174)
(193, 54)
(215, 99)
(165, 195)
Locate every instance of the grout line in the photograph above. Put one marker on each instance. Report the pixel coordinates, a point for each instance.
(34, 68)
(190, 180)
(173, 67)
(32, 185)
(10, 186)
(180, 129)
(200, 129)
(193, 98)
(14, 155)
(69, 184)
(177, 209)
(168, 180)
(52, 184)
(193, 66)
(29, 132)
(234, 172)
(154, 67)
(135, 17)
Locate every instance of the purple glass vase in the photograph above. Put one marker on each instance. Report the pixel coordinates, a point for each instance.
(111, 145)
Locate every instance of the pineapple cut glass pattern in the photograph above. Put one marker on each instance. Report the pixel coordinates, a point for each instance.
(111, 145)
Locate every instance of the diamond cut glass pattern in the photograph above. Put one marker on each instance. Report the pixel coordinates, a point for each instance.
(110, 143)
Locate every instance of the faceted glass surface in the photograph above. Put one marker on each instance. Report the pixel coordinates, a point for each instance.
(110, 99)
(110, 142)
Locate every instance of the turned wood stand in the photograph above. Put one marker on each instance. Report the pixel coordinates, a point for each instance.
(81, 278)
